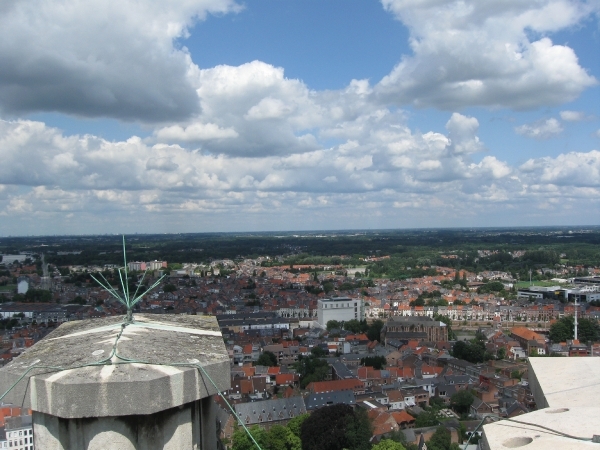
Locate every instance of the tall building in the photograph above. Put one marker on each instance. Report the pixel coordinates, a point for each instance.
(341, 309)
(157, 265)
(136, 266)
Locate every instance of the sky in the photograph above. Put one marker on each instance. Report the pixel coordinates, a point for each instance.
(269, 115)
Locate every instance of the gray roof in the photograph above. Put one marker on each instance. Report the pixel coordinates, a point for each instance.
(516, 406)
(409, 434)
(449, 389)
(315, 401)
(14, 423)
(342, 371)
(270, 410)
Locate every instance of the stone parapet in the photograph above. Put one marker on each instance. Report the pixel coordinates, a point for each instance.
(93, 377)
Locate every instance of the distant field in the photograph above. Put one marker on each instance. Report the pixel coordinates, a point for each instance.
(8, 288)
(521, 284)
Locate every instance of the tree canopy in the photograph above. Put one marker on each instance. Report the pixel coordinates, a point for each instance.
(441, 440)
(377, 362)
(388, 444)
(267, 358)
(277, 438)
(473, 351)
(333, 324)
(563, 329)
(427, 418)
(336, 427)
(374, 331)
(311, 368)
(461, 401)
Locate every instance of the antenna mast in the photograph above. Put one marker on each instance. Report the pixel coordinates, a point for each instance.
(575, 337)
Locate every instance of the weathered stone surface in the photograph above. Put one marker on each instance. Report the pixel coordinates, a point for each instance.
(575, 421)
(74, 375)
(567, 398)
(190, 426)
(564, 381)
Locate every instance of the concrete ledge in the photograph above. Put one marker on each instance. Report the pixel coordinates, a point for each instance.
(564, 381)
(568, 397)
(120, 388)
(577, 421)
(173, 429)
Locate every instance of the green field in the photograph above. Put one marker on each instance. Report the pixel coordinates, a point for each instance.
(522, 284)
(8, 288)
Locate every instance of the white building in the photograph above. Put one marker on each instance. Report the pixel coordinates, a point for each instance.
(156, 265)
(9, 259)
(137, 266)
(22, 285)
(19, 434)
(341, 309)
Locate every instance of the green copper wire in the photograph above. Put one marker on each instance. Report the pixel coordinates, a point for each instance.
(125, 299)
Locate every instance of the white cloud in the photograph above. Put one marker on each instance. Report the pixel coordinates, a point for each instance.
(194, 133)
(463, 134)
(429, 164)
(570, 169)
(469, 52)
(164, 164)
(572, 116)
(100, 58)
(380, 165)
(543, 129)
(268, 108)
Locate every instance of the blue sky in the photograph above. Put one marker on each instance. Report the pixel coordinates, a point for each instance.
(209, 115)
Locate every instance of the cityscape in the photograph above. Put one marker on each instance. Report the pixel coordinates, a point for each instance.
(419, 351)
(299, 224)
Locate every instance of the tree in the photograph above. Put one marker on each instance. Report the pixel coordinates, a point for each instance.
(388, 444)
(437, 403)
(448, 321)
(241, 441)
(352, 325)
(336, 427)
(328, 287)
(310, 368)
(79, 300)
(374, 330)
(169, 288)
(501, 354)
(332, 324)
(563, 329)
(441, 440)
(399, 437)
(267, 358)
(516, 374)
(377, 362)
(282, 438)
(461, 401)
(473, 351)
(318, 351)
(295, 424)
(427, 419)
